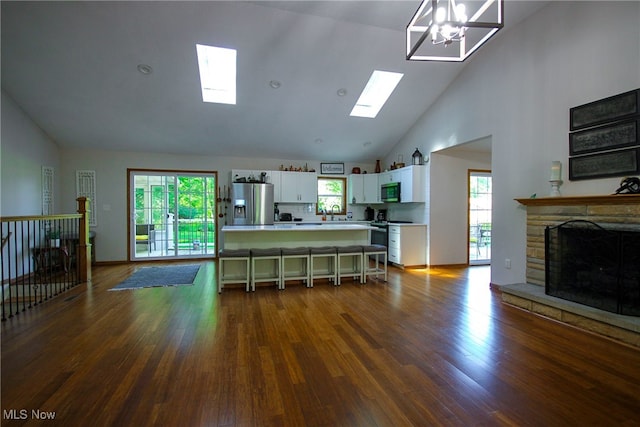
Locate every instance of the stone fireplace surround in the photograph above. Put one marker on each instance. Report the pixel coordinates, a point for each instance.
(542, 212)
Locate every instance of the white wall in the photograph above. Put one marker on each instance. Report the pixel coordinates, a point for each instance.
(518, 90)
(449, 203)
(25, 149)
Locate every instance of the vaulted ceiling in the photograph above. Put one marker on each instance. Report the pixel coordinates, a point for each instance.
(72, 67)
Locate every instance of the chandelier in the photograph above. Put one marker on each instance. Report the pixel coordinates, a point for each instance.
(451, 30)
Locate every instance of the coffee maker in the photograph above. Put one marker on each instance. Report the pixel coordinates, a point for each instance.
(382, 215)
(368, 213)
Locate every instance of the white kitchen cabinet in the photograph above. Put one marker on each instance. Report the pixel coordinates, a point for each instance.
(363, 188)
(298, 187)
(412, 183)
(407, 244)
(389, 176)
(412, 180)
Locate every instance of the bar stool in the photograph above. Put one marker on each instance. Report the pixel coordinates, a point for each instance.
(356, 254)
(269, 273)
(326, 254)
(301, 254)
(226, 256)
(374, 250)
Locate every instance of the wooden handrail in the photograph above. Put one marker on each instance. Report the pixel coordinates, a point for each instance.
(39, 217)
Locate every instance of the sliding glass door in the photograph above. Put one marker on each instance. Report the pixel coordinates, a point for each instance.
(172, 215)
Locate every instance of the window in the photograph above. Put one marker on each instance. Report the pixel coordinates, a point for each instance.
(217, 74)
(332, 194)
(375, 94)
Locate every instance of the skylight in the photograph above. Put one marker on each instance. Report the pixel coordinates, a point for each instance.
(378, 89)
(217, 74)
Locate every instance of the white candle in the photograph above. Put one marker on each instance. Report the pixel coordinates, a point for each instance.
(556, 171)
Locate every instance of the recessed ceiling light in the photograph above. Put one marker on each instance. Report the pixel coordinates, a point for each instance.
(318, 141)
(378, 89)
(145, 69)
(275, 84)
(342, 92)
(217, 67)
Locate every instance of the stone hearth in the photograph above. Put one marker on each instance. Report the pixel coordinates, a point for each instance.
(612, 210)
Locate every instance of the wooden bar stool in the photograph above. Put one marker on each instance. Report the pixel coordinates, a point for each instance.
(301, 255)
(265, 266)
(227, 256)
(326, 254)
(377, 251)
(355, 253)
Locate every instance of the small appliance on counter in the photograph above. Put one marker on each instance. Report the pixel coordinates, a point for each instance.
(382, 215)
(368, 214)
(286, 217)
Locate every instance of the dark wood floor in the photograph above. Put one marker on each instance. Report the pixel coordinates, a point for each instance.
(431, 347)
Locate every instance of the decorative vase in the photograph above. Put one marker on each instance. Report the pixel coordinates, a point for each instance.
(378, 168)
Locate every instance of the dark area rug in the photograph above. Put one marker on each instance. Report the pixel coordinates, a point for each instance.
(147, 277)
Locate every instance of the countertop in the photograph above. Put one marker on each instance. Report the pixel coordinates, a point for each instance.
(299, 226)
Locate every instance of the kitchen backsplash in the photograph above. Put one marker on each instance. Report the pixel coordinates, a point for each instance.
(307, 211)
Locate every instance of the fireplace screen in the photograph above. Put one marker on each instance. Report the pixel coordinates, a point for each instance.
(594, 266)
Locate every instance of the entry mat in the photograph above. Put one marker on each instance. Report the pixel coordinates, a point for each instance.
(148, 277)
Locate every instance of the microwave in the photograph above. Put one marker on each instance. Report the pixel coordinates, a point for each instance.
(390, 193)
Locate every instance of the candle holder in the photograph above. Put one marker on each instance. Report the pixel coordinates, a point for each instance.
(555, 187)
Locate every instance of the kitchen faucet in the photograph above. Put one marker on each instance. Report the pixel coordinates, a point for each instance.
(333, 211)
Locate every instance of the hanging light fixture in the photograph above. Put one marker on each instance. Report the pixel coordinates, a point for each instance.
(451, 30)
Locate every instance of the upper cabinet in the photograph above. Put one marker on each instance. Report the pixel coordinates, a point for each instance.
(412, 183)
(363, 188)
(412, 187)
(298, 187)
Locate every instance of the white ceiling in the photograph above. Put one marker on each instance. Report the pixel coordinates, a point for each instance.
(72, 67)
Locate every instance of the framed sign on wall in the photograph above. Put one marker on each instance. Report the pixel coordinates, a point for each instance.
(332, 168)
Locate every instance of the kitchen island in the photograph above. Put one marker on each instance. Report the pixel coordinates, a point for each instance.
(331, 233)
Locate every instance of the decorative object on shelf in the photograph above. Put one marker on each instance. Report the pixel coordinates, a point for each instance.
(332, 168)
(355, 170)
(630, 185)
(378, 168)
(556, 170)
(556, 178)
(292, 168)
(455, 30)
(417, 157)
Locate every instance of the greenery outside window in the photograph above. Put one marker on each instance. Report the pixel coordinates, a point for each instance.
(332, 195)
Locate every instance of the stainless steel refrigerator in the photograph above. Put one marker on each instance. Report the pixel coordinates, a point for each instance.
(252, 204)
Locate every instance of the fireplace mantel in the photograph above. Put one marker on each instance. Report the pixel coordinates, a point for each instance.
(609, 199)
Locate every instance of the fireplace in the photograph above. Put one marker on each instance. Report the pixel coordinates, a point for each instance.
(594, 266)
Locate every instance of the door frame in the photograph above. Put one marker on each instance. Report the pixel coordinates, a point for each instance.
(131, 172)
(471, 172)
